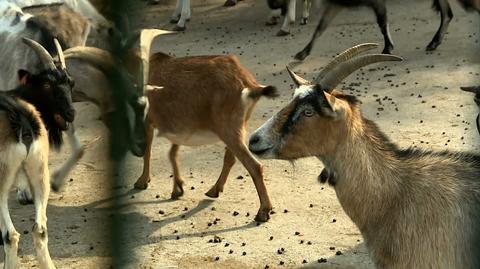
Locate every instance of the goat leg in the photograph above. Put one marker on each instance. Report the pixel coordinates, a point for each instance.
(36, 168)
(144, 179)
(228, 162)
(381, 14)
(240, 150)
(177, 180)
(446, 15)
(327, 16)
(58, 178)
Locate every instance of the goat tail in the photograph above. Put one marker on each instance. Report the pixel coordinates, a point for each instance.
(267, 91)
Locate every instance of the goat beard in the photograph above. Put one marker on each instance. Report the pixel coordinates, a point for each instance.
(55, 137)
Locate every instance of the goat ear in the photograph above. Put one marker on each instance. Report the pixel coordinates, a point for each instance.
(329, 104)
(23, 77)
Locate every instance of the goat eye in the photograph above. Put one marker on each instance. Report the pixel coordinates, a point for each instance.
(47, 86)
(308, 112)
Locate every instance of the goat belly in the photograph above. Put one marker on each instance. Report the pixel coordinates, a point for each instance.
(197, 138)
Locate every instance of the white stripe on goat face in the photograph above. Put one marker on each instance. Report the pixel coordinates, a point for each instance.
(303, 91)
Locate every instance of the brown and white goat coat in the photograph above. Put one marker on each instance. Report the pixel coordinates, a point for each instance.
(414, 208)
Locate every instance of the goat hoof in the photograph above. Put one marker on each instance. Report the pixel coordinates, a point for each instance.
(387, 50)
(141, 184)
(432, 46)
(24, 197)
(154, 2)
(174, 21)
(301, 55)
(55, 186)
(283, 33)
(179, 28)
(262, 216)
(230, 3)
(304, 21)
(213, 193)
(176, 195)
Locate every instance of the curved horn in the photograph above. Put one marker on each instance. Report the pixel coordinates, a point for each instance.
(41, 52)
(98, 57)
(474, 89)
(61, 57)
(297, 79)
(146, 38)
(343, 70)
(344, 56)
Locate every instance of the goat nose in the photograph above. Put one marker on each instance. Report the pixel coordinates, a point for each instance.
(254, 139)
(70, 115)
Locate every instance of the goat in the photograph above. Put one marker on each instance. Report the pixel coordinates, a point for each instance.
(476, 91)
(414, 208)
(220, 94)
(99, 27)
(287, 9)
(332, 7)
(182, 13)
(16, 24)
(93, 69)
(41, 102)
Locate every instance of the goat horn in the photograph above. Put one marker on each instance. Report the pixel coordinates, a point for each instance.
(344, 56)
(61, 57)
(297, 79)
(146, 38)
(474, 89)
(99, 57)
(41, 52)
(343, 70)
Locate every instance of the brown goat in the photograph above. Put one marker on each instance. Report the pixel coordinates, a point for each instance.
(204, 99)
(414, 208)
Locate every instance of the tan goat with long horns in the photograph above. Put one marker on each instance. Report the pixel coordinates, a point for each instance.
(414, 208)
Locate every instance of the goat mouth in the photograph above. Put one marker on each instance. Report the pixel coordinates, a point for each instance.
(61, 122)
(263, 152)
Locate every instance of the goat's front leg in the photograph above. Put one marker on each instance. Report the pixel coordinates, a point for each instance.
(446, 15)
(327, 16)
(177, 179)
(237, 145)
(144, 179)
(36, 168)
(289, 19)
(184, 16)
(78, 150)
(228, 162)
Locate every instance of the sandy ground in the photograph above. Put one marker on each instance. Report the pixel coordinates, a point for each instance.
(417, 103)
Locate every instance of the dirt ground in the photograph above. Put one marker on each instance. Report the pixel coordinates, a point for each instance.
(416, 102)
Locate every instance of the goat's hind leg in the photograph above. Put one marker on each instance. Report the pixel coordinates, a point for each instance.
(228, 162)
(237, 145)
(38, 174)
(177, 179)
(381, 14)
(10, 236)
(446, 15)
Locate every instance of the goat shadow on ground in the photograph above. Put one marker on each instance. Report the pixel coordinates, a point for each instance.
(84, 233)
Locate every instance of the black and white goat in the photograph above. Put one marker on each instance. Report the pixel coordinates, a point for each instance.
(32, 117)
(287, 8)
(332, 7)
